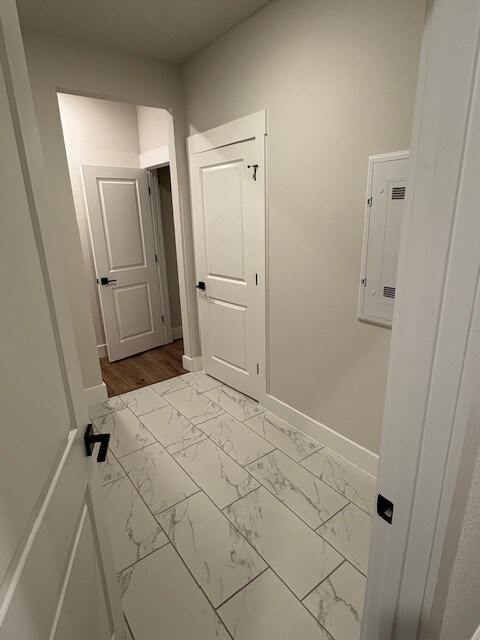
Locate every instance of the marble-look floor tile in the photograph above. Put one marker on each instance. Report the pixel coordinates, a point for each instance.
(296, 553)
(311, 499)
(267, 610)
(107, 406)
(159, 479)
(143, 401)
(109, 470)
(285, 437)
(161, 600)
(172, 429)
(219, 558)
(194, 406)
(200, 381)
(349, 532)
(240, 442)
(127, 432)
(167, 386)
(337, 603)
(238, 405)
(356, 485)
(134, 532)
(216, 473)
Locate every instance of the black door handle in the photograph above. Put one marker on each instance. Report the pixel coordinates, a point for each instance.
(105, 281)
(92, 438)
(201, 286)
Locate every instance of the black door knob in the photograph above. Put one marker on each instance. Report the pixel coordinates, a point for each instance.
(201, 286)
(105, 281)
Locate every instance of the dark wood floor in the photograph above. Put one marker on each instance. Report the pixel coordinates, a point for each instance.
(143, 369)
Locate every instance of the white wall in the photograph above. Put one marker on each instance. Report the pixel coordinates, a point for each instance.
(462, 610)
(152, 128)
(100, 132)
(338, 80)
(65, 64)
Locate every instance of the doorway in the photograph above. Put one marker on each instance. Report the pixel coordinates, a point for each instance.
(119, 166)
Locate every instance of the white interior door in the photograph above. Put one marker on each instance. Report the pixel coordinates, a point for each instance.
(56, 573)
(123, 240)
(228, 200)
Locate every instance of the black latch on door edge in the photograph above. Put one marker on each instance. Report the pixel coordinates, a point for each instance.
(201, 286)
(385, 508)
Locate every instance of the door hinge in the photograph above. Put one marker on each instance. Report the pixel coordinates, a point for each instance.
(255, 169)
(369, 202)
(258, 368)
(256, 279)
(156, 258)
(363, 282)
(163, 318)
(149, 191)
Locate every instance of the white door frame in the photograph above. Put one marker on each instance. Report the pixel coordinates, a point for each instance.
(251, 127)
(435, 345)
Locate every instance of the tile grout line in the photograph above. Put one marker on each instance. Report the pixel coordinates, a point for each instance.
(239, 498)
(244, 586)
(349, 561)
(197, 583)
(324, 579)
(281, 579)
(314, 529)
(144, 557)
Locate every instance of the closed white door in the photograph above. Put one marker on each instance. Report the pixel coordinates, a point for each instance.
(57, 580)
(123, 240)
(228, 195)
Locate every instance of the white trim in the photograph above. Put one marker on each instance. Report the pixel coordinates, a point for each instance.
(36, 528)
(102, 350)
(68, 573)
(351, 451)
(177, 333)
(246, 128)
(476, 635)
(192, 364)
(426, 406)
(155, 158)
(96, 394)
(372, 160)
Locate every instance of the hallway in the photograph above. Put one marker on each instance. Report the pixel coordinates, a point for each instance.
(227, 522)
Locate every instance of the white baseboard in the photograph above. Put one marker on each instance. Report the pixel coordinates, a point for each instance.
(177, 333)
(353, 452)
(192, 364)
(96, 394)
(102, 350)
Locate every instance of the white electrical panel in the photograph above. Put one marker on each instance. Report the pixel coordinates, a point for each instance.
(387, 177)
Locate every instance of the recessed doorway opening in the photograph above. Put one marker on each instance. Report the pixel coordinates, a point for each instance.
(118, 158)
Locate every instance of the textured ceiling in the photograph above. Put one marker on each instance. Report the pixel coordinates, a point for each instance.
(166, 29)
